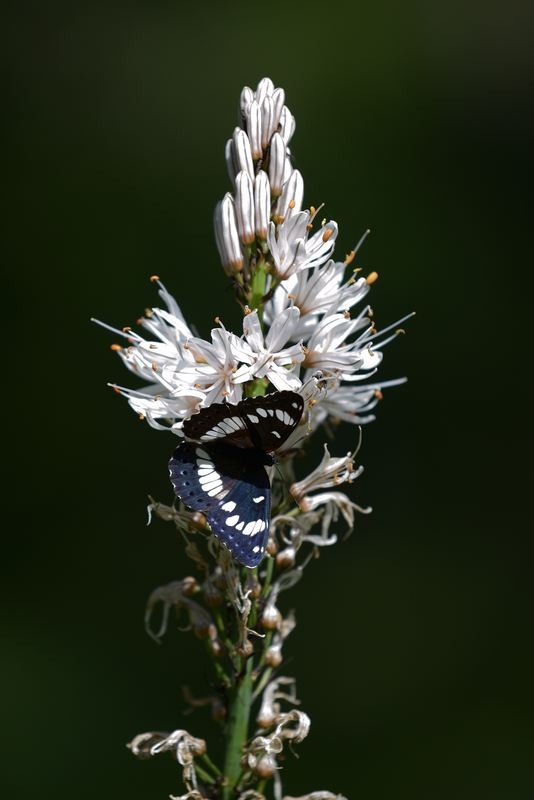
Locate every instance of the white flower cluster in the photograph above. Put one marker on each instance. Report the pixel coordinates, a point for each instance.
(304, 304)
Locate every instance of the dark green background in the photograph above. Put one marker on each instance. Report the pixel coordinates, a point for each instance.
(412, 651)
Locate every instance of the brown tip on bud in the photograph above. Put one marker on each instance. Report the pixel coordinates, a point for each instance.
(265, 768)
(199, 747)
(371, 278)
(115, 347)
(349, 258)
(378, 394)
(236, 266)
(216, 648)
(189, 585)
(273, 657)
(265, 720)
(309, 226)
(291, 204)
(271, 618)
(272, 547)
(328, 234)
(212, 596)
(246, 649)
(198, 520)
(286, 558)
(154, 278)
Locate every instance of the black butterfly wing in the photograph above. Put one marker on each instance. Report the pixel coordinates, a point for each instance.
(271, 418)
(218, 422)
(230, 485)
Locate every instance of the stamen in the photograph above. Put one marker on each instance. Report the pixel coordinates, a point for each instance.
(393, 325)
(371, 278)
(154, 278)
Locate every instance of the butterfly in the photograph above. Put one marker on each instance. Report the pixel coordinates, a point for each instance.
(221, 472)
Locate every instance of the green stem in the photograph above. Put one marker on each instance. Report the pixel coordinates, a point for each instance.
(203, 775)
(238, 721)
(257, 289)
(209, 763)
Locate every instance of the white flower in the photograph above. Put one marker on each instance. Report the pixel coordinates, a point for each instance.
(330, 472)
(326, 348)
(267, 356)
(333, 503)
(216, 369)
(316, 291)
(290, 247)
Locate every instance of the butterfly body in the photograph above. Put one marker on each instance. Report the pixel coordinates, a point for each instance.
(221, 472)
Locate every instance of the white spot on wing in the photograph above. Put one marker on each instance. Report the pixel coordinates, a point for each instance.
(280, 414)
(275, 433)
(262, 412)
(258, 499)
(249, 527)
(209, 478)
(231, 521)
(229, 506)
(256, 549)
(253, 418)
(240, 526)
(270, 411)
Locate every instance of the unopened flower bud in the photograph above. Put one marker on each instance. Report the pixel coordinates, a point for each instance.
(265, 718)
(286, 557)
(212, 595)
(189, 585)
(246, 649)
(272, 547)
(265, 767)
(271, 617)
(273, 656)
(216, 647)
(198, 746)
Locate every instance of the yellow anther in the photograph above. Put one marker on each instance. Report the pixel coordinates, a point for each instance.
(378, 394)
(327, 234)
(349, 258)
(291, 204)
(154, 366)
(116, 347)
(371, 278)
(154, 278)
(142, 417)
